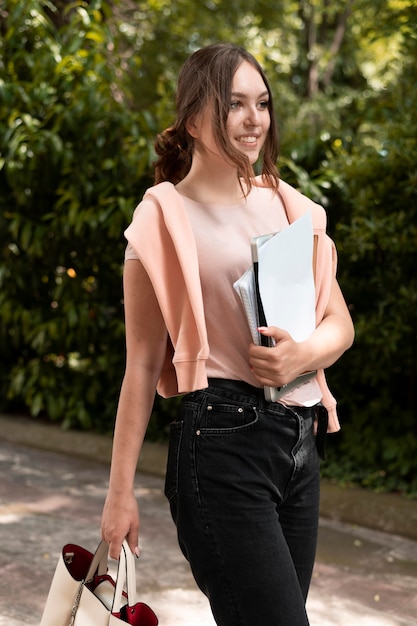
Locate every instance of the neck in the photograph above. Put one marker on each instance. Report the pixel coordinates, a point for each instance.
(211, 185)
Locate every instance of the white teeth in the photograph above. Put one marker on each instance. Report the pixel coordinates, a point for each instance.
(247, 139)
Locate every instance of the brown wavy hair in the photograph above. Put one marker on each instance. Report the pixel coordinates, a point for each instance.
(206, 79)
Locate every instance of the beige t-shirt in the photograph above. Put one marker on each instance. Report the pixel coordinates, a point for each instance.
(223, 235)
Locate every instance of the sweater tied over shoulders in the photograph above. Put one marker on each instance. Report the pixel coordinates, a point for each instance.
(162, 237)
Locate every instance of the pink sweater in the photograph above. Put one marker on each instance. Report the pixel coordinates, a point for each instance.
(163, 239)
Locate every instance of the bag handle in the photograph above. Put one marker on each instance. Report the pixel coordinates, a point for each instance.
(126, 573)
(99, 561)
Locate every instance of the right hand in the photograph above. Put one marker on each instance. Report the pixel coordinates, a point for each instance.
(120, 520)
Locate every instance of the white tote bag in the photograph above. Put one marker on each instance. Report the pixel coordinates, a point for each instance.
(83, 594)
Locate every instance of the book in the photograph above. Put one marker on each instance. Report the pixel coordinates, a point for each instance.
(245, 288)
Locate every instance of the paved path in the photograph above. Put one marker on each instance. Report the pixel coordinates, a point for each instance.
(362, 577)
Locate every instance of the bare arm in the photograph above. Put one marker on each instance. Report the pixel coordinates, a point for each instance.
(146, 338)
(288, 359)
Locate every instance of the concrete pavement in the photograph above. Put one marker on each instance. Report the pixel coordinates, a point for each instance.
(363, 576)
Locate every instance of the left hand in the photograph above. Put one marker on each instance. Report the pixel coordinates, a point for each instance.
(280, 364)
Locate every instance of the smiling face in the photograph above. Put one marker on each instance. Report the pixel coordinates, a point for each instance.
(249, 120)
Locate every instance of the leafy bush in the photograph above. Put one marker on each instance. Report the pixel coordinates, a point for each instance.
(73, 162)
(376, 190)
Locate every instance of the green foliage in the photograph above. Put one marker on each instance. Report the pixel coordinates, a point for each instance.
(72, 158)
(375, 189)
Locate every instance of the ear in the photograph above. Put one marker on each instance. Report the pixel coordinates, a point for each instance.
(193, 126)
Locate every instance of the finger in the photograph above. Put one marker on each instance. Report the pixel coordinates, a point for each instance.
(278, 334)
(133, 541)
(115, 548)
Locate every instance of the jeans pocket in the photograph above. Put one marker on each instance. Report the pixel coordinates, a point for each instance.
(171, 478)
(227, 418)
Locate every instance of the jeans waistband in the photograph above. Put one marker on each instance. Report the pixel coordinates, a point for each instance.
(238, 386)
(257, 395)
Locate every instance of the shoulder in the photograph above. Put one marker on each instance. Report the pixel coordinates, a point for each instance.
(162, 192)
(161, 214)
(162, 198)
(296, 204)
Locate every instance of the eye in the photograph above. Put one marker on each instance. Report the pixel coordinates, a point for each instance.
(235, 104)
(263, 104)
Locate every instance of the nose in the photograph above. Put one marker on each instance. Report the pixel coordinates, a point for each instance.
(253, 117)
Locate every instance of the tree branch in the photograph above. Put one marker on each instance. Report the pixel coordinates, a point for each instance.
(336, 43)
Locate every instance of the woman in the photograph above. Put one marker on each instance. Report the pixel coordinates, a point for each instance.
(243, 473)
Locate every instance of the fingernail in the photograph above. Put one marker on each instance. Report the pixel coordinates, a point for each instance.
(262, 328)
(136, 552)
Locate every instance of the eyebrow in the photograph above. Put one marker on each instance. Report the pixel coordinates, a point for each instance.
(237, 94)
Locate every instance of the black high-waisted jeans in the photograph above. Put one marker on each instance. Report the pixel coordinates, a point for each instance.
(243, 484)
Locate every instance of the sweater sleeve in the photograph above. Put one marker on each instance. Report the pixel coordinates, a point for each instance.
(162, 239)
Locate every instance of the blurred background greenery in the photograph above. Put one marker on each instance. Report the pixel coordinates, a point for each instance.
(84, 88)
